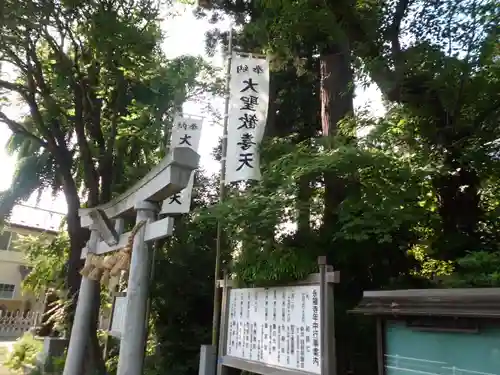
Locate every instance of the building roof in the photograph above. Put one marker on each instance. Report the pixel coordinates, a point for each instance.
(36, 218)
(467, 303)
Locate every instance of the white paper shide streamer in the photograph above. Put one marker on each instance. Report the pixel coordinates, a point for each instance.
(186, 132)
(248, 103)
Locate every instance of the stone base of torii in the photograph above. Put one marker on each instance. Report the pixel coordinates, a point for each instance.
(169, 177)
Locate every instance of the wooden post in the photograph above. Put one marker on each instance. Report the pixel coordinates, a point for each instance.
(119, 227)
(327, 321)
(83, 315)
(224, 318)
(323, 316)
(222, 196)
(132, 347)
(332, 342)
(380, 347)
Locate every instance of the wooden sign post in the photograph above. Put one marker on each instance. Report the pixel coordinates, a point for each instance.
(285, 330)
(169, 177)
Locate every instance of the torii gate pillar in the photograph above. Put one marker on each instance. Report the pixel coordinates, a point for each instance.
(89, 291)
(132, 346)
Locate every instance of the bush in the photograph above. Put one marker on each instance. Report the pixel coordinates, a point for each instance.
(24, 352)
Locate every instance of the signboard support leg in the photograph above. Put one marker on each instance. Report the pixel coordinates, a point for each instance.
(132, 346)
(82, 320)
(327, 320)
(323, 317)
(331, 330)
(207, 360)
(221, 370)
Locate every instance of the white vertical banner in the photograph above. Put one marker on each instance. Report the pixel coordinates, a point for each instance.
(186, 132)
(248, 104)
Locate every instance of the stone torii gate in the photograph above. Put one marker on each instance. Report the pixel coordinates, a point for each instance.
(169, 177)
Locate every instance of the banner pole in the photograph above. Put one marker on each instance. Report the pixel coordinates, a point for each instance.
(222, 196)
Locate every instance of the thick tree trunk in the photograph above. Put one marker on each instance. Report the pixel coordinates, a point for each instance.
(336, 93)
(415, 87)
(77, 236)
(460, 211)
(336, 87)
(304, 207)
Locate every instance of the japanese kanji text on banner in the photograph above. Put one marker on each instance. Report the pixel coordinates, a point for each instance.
(186, 132)
(248, 104)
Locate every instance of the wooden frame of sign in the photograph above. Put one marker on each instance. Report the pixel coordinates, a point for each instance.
(293, 337)
(431, 310)
(118, 310)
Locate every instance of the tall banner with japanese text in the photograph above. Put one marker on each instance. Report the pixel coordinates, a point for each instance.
(248, 104)
(186, 132)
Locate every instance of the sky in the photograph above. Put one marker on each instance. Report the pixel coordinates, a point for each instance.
(185, 35)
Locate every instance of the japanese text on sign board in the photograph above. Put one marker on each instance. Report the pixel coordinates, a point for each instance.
(276, 326)
(186, 132)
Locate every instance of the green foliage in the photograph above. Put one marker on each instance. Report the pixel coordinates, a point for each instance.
(98, 93)
(183, 287)
(433, 269)
(24, 352)
(47, 255)
(479, 269)
(382, 187)
(92, 73)
(415, 197)
(415, 203)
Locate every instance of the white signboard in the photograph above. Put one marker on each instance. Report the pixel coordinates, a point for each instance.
(118, 319)
(248, 104)
(276, 326)
(186, 132)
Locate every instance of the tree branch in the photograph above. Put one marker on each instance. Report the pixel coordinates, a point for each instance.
(487, 113)
(365, 46)
(14, 59)
(395, 28)
(17, 128)
(36, 71)
(89, 170)
(465, 75)
(20, 89)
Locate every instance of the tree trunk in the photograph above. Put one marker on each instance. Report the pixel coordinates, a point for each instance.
(336, 94)
(77, 236)
(270, 130)
(304, 207)
(460, 211)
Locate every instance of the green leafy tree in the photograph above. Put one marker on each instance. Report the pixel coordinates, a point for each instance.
(96, 89)
(417, 190)
(48, 255)
(440, 61)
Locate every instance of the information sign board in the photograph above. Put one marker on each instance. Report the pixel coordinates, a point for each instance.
(277, 327)
(118, 319)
